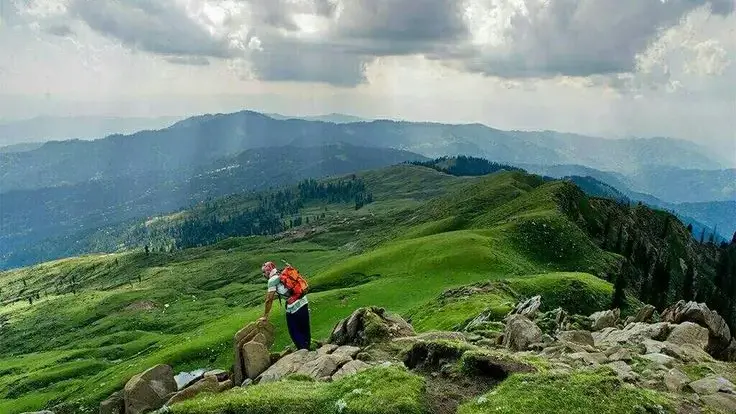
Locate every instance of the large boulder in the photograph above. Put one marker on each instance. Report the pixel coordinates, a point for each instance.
(605, 319)
(149, 390)
(323, 367)
(711, 385)
(633, 333)
(114, 404)
(287, 365)
(256, 358)
(521, 333)
(719, 335)
(644, 314)
(369, 325)
(688, 333)
(261, 332)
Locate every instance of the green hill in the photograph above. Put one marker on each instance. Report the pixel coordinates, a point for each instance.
(73, 331)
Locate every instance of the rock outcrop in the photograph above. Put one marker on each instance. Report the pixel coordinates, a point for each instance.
(521, 333)
(114, 404)
(369, 325)
(259, 337)
(719, 334)
(528, 308)
(605, 319)
(149, 390)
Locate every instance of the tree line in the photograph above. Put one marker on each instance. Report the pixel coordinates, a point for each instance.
(273, 213)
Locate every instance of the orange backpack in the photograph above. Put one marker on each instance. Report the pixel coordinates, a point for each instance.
(294, 282)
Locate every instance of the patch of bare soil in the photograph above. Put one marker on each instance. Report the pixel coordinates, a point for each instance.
(446, 393)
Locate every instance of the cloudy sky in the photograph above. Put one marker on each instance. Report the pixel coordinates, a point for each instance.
(613, 68)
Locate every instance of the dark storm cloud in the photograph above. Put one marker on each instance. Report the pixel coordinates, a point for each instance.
(556, 37)
(156, 26)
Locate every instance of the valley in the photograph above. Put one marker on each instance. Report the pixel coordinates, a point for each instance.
(75, 330)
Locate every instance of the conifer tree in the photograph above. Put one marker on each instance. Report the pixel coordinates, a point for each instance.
(688, 284)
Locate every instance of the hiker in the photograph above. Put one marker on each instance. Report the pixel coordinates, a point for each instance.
(297, 307)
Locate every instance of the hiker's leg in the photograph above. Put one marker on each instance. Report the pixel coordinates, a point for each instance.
(291, 324)
(304, 325)
(300, 328)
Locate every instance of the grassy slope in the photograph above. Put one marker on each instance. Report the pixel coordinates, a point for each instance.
(87, 345)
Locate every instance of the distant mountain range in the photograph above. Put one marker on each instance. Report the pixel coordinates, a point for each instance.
(203, 139)
(333, 118)
(28, 217)
(48, 128)
(62, 187)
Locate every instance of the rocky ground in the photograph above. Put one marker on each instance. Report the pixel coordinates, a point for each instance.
(649, 363)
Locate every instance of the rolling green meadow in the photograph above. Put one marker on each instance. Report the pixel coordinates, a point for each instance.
(424, 233)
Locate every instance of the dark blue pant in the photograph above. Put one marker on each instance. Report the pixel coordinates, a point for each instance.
(299, 330)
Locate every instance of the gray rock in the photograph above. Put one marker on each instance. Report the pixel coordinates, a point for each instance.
(262, 332)
(323, 366)
(720, 401)
(221, 375)
(326, 349)
(346, 351)
(675, 380)
(39, 412)
(689, 333)
(719, 337)
(660, 359)
(631, 334)
(369, 325)
(521, 333)
(644, 314)
(351, 368)
(596, 358)
(528, 307)
(114, 404)
(623, 371)
(256, 359)
(148, 391)
(287, 365)
(208, 384)
(605, 319)
(577, 337)
(622, 354)
(711, 385)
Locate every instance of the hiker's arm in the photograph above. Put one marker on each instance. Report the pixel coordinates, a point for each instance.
(269, 302)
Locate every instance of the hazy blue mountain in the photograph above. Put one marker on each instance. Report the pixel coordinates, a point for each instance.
(27, 146)
(46, 128)
(711, 215)
(333, 118)
(201, 140)
(685, 185)
(30, 216)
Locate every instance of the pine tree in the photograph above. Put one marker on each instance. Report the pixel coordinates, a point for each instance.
(660, 283)
(702, 236)
(620, 239)
(619, 292)
(733, 240)
(688, 284)
(690, 228)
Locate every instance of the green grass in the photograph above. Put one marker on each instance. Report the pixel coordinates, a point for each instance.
(426, 233)
(378, 390)
(577, 393)
(578, 293)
